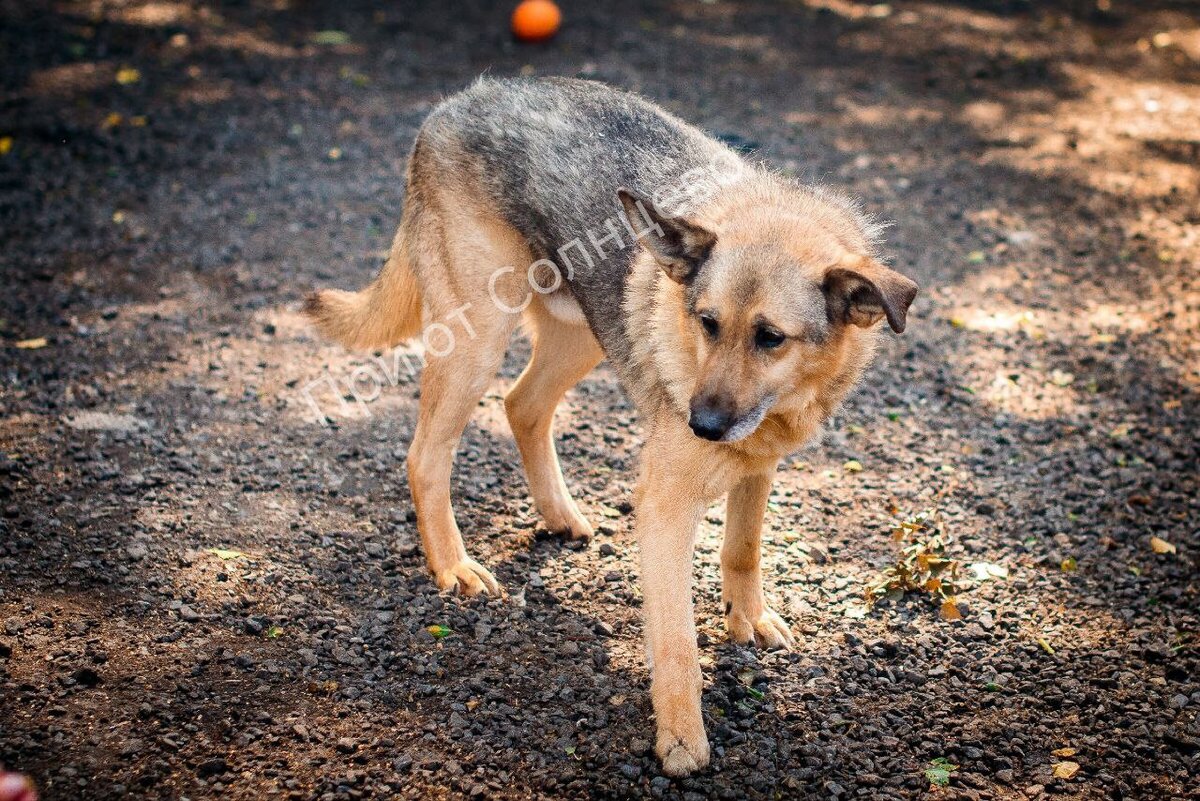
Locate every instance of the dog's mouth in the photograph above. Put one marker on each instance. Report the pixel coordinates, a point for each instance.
(716, 429)
(750, 421)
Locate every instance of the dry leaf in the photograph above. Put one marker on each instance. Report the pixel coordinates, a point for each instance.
(1064, 752)
(950, 610)
(987, 570)
(1065, 770)
(330, 38)
(1159, 545)
(32, 344)
(225, 554)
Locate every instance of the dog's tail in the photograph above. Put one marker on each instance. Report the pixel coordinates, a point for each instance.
(385, 313)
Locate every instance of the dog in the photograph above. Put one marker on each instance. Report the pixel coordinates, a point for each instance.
(736, 306)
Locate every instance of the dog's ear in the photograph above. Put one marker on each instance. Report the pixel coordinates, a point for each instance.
(860, 291)
(682, 246)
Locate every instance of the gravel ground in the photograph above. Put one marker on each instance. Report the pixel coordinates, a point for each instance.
(205, 592)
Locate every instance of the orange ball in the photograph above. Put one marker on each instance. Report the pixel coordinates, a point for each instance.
(535, 20)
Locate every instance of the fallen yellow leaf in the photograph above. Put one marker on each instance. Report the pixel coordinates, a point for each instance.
(1065, 770)
(1159, 545)
(6, 144)
(32, 344)
(950, 611)
(128, 75)
(1061, 378)
(853, 466)
(1063, 752)
(224, 553)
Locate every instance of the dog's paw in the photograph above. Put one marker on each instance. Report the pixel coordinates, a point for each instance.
(682, 754)
(569, 524)
(468, 577)
(768, 630)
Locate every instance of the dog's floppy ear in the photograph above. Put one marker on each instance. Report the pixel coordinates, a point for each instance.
(860, 290)
(681, 247)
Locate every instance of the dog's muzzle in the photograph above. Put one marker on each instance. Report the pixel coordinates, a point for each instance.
(712, 423)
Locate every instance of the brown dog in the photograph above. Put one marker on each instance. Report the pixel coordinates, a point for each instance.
(737, 308)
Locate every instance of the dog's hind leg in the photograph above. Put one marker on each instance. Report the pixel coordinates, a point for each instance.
(456, 269)
(748, 619)
(450, 390)
(562, 354)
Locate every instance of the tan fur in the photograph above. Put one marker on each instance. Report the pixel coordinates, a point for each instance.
(562, 354)
(774, 248)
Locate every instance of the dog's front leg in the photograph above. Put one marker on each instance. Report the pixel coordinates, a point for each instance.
(668, 513)
(748, 619)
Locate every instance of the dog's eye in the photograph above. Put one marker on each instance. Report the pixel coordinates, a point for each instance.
(710, 324)
(768, 338)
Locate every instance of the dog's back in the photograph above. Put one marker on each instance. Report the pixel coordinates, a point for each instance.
(550, 155)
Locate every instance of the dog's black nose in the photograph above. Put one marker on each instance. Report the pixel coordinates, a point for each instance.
(710, 423)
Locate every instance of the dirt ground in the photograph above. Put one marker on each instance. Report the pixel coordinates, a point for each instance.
(206, 592)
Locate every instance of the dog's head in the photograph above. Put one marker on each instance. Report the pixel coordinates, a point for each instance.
(773, 309)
